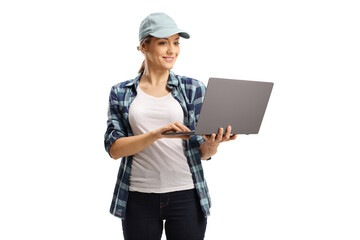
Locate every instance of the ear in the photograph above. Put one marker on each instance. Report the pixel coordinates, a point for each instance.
(143, 48)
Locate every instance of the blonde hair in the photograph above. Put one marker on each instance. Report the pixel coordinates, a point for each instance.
(143, 42)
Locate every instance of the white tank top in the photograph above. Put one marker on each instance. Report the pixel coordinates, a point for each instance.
(161, 167)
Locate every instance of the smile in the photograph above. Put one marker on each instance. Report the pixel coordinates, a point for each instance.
(168, 59)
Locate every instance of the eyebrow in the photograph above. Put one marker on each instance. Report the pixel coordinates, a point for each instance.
(168, 39)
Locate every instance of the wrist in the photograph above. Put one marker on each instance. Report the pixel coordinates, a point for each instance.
(155, 135)
(208, 149)
(211, 145)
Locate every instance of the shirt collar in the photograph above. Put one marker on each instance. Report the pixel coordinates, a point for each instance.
(172, 81)
(134, 81)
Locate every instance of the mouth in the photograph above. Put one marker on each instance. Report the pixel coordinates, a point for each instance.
(169, 59)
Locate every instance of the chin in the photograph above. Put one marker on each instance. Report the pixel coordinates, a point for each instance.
(168, 67)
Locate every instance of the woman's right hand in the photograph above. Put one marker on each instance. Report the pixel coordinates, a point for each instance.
(173, 127)
(131, 145)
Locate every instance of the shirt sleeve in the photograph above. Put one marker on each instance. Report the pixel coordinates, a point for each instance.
(115, 123)
(199, 99)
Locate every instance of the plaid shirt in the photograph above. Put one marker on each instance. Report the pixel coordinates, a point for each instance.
(190, 94)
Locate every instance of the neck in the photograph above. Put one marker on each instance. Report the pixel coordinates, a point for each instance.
(154, 76)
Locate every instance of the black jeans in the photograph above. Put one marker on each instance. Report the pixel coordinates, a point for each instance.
(145, 212)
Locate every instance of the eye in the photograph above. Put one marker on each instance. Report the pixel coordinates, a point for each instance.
(162, 43)
(177, 43)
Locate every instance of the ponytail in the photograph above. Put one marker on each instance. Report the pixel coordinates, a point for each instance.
(142, 68)
(144, 41)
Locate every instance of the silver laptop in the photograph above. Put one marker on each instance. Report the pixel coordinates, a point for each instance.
(238, 103)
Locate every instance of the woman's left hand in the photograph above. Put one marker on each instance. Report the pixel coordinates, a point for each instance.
(209, 147)
(220, 136)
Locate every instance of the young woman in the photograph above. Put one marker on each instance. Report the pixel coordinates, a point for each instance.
(160, 176)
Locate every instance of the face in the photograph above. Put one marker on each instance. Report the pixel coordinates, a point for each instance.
(161, 53)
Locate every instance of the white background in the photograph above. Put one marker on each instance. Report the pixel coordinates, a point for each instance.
(298, 179)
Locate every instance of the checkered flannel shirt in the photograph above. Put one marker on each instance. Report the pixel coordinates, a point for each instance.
(190, 94)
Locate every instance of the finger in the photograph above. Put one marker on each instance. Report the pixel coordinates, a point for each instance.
(233, 137)
(185, 137)
(213, 136)
(227, 134)
(209, 138)
(182, 127)
(220, 134)
(175, 127)
(181, 136)
(167, 128)
(205, 137)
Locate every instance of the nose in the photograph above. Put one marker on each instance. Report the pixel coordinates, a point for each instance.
(170, 49)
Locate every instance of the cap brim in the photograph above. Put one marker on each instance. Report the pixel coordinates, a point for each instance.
(164, 33)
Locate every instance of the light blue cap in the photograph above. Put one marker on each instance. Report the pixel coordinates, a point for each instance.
(160, 25)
